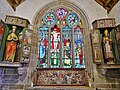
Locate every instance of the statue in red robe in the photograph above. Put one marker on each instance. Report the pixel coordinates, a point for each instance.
(11, 45)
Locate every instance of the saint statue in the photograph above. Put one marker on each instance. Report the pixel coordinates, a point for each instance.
(108, 48)
(11, 45)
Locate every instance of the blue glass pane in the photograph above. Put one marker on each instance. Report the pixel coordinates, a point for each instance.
(78, 48)
(43, 46)
(72, 19)
(61, 13)
(49, 19)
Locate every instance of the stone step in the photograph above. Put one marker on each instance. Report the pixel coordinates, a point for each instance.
(60, 88)
(13, 87)
(108, 89)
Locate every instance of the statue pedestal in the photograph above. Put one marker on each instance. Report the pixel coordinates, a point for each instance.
(10, 64)
(110, 61)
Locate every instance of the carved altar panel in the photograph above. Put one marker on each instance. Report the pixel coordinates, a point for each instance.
(60, 77)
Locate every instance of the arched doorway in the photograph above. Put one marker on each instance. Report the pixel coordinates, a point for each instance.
(62, 39)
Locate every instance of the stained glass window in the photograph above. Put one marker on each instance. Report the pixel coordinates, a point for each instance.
(55, 46)
(43, 46)
(78, 47)
(72, 19)
(61, 13)
(61, 40)
(49, 18)
(67, 46)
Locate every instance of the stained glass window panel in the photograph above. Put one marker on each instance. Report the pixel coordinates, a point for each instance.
(50, 19)
(78, 48)
(61, 13)
(55, 47)
(72, 19)
(67, 47)
(43, 46)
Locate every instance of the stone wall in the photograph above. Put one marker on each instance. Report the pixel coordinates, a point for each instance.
(5, 9)
(28, 9)
(106, 79)
(8, 76)
(115, 13)
(13, 77)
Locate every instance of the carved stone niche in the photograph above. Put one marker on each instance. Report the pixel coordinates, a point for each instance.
(104, 23)
(106, 27)
(17, 21)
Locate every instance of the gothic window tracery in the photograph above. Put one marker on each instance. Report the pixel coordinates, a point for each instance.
(60, 43)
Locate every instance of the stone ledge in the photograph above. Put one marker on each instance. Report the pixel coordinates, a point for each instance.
(107, 85)
(60, 88)
(10, 64)
(108, 66)
(108, 89)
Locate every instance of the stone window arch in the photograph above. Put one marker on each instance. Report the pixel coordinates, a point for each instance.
(83, 24)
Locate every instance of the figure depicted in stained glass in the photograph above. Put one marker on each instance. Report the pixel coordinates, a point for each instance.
(55, 39)
(67, 50)
(11, 45)
(78, 47)
(79, 52)
(107, 45)
(42, 52)
(67, 53)
(55, 45)
(43, 45)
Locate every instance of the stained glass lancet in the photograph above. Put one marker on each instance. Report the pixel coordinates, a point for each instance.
(67, 46)
(55, 47)
(78, 48)
(43, 46)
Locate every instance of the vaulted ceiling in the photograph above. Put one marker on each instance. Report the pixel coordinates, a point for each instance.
(107, 4)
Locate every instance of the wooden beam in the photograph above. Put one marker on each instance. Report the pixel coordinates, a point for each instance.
(99, 2)
(17, 2)
(108, 1)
